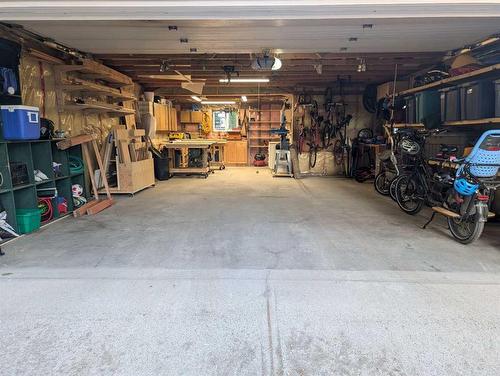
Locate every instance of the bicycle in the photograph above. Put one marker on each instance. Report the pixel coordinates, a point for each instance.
(341, 146)
(466, 205)
(314, 134)
(422, 184)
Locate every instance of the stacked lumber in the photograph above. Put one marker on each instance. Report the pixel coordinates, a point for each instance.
(89, 144)
(126, 153)
(165, 115)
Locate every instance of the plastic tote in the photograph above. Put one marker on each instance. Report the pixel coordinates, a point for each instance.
(497, 98)
(20, 122)
(28, 220)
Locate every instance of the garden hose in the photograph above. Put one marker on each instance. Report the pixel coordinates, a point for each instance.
(75, 165)
(46, 209)
(79, 201)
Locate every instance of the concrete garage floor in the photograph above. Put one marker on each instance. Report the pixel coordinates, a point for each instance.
(243, 274)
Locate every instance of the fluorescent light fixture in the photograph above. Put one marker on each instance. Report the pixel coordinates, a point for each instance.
(197, 99)
(243, 80)
(277, 64)
(489, 40)
(218, 102)
(244, 98)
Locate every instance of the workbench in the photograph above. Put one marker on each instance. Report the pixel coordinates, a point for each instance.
(184, 146)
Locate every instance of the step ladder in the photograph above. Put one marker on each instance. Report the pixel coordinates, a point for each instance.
(282, 164)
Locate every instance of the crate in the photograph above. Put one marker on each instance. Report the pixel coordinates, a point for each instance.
(28, 220)
(450, 104)
(135, 176)
(20, 122)
(477, 100)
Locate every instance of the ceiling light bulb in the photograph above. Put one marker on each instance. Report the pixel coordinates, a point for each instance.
(277, 64)
(243, 80)
(361, 65)
(244, 98)
(197, 99)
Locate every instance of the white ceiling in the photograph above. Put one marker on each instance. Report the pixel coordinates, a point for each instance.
(287, 36)
(243, 9)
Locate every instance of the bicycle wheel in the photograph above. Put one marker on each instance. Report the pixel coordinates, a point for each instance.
(313, 155)
(382, 183)
(470, 226)
(326, 134)
(347, 161)
(338, 152)
(409, 194)
(392, 187)
(466, 229)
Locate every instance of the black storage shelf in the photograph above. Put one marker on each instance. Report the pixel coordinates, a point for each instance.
(37, 155)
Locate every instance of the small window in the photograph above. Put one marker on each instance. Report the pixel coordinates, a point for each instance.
(224, 121)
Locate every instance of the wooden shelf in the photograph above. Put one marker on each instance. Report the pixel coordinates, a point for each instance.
(260, 111)
(99, 107)
(95, 70)
(491, 70)
(402, 125)
(266, 122)
(258, 146)
(92, 88)
(37, 155)
(265, 138)
(472, 122)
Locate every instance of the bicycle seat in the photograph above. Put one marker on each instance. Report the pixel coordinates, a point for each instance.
(444, 148)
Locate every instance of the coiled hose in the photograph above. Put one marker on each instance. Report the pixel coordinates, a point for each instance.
(75, 165)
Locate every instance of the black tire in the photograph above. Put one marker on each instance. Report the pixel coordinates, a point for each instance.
(382, 183)
(338, 153)
(407, 188)
(313, 155)
(466, 230)
(326, 137)
(392, 187)
(347, 163)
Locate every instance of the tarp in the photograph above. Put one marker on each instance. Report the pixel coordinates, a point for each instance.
(38, 89)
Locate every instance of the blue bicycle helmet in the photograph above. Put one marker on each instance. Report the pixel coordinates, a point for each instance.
(465, 187)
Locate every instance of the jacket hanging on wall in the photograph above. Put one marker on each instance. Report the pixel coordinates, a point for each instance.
(8, 80)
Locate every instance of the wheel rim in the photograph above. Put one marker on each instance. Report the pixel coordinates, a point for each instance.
(407, 194)
(463, 228)
(382, 183)
(312, 157)
(338, 153)
(392, 187)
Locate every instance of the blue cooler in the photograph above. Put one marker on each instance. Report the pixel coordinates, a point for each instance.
(20, 122)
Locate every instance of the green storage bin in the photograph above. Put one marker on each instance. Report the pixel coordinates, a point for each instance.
(28, 220)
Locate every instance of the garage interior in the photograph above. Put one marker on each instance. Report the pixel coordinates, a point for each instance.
(203, 197)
